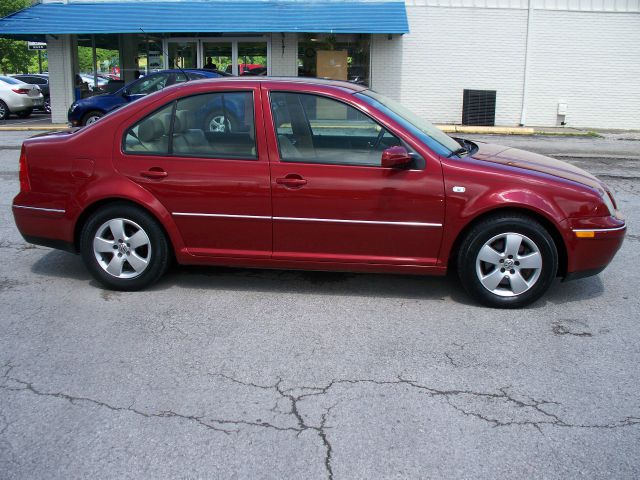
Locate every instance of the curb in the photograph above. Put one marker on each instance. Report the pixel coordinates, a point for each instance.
(487, 130)
(58, 126)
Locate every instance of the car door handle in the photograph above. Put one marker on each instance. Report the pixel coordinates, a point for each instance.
(154, 172)
(291, 181)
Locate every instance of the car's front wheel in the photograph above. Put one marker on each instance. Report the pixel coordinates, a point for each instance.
(92, 117)
(507, 261)
(124, 247)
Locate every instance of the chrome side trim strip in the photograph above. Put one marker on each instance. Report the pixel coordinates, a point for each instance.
(54, 210)
(219, 215)
(300, 219)
(615, 229)
(366, 222)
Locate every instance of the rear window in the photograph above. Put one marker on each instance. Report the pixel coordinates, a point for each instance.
(9, 80)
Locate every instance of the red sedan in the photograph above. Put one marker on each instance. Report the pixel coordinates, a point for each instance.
(309, 174)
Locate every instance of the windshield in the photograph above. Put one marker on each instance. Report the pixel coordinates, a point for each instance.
(432, 136)
(9, 80)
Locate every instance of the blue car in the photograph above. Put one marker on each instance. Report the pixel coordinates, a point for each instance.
(88, 110)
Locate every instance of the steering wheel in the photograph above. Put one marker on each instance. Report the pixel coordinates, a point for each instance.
(379, 138)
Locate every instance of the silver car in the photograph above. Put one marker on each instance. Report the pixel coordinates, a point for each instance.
(18, 97)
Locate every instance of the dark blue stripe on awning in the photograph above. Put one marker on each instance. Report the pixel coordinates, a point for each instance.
(333, 16)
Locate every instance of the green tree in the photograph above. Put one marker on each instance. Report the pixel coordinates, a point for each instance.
(14, 56)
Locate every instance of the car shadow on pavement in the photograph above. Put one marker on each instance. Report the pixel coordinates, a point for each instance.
(309, 282)
(57, 263)
(66, 265)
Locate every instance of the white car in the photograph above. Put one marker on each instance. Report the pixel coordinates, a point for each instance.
(18, 97)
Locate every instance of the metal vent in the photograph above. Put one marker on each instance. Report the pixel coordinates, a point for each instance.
(479, 107)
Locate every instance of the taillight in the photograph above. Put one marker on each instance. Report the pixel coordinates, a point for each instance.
(24, 172)
(23, 91)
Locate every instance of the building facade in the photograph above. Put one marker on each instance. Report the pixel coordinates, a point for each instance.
(502, 62)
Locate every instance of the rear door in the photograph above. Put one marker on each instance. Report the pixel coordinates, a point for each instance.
(332, 200)
(215, 184)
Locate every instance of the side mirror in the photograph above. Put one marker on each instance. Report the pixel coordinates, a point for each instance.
(396, 157)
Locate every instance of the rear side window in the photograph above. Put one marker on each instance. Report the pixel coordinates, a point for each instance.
(150, 135)
(219, 125)
(214, 125)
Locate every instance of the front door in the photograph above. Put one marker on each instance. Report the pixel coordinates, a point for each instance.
(332, 200)
(214, 183)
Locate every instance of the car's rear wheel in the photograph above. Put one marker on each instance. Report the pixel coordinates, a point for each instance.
(124, 247)
(507, 261)
(4, 111)
(92, 117)
(47, 105)
(24, 113)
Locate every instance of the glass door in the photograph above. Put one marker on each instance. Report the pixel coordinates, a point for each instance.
(183, 54)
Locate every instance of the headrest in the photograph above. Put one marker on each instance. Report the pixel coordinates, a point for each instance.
(182, 121)
(166, 122)
(151, 129)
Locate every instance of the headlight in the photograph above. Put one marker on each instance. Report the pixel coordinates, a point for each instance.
(607, 198)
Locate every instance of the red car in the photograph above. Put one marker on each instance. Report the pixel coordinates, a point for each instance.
(312, 175)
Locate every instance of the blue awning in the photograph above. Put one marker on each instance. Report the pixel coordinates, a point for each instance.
(202, 16)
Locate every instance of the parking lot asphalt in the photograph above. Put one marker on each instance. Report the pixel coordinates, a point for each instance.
(236, 373)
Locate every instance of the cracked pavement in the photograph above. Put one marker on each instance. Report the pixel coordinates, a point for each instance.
(233, 373)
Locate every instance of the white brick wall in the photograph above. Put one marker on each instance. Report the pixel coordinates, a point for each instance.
(589, 60)
(284, 63)
(448, 50)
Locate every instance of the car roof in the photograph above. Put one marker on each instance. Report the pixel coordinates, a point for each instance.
(293, 80)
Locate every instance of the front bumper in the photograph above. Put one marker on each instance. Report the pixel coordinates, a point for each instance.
(591, 244)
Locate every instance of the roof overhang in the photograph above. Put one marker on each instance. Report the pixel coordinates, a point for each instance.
(203, 16)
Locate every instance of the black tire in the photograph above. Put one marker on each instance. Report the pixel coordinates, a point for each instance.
(91, 117)
(47, 105)
(24, 113)
(4, 111)
(155, 252)
(492, 235)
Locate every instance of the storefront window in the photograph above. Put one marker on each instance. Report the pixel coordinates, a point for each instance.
(96, 79)
(217, 55)
(252, 58)
(338, 57)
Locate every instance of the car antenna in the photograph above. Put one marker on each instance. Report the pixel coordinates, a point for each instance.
(166, 54)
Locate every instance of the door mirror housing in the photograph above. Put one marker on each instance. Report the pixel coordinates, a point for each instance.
(396, 157)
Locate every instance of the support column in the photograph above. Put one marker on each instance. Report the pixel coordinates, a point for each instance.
(284, 55)
(61, 51)
(128, 55)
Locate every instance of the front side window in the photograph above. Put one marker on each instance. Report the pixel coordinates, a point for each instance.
(432, 136)
(213, 125)
(148, 85)
(315, 129)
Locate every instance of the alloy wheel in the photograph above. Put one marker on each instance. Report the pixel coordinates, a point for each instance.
(122, 248)
(509, 264)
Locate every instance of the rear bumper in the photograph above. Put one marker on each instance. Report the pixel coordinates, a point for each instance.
(592, 244)
(48, 226)
(18, 103)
